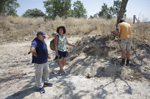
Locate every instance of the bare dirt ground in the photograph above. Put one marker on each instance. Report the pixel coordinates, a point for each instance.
(107, 79)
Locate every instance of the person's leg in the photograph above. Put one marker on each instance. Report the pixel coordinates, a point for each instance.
(61, 65)
(123, 57)
(129, 44)
(38, 75)
(128, 54)
(128, 57)
(46, 73)
(61, 61)
(123, 51)
(65, 55)
(64, 61)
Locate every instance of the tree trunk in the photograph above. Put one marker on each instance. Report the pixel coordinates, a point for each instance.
(122, 10)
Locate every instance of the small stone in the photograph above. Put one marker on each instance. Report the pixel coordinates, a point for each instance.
(26, 39)
(131, 77)
(119, 57)
(88, 75)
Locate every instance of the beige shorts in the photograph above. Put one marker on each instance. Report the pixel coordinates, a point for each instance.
(126, 44)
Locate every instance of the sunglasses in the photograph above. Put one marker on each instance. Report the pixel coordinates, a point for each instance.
(43, 36)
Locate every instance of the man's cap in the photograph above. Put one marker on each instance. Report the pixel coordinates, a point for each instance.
(54, 33)
(42, 33)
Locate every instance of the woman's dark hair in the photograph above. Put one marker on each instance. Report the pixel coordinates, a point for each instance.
(122, 20)
(64, 29)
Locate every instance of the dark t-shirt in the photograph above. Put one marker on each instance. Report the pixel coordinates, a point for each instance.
(42, 52)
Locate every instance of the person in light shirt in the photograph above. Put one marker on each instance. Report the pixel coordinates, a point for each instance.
(125, 33)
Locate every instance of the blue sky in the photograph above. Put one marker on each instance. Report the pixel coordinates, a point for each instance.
(140, 8)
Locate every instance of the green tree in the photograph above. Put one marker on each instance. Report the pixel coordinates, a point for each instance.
(8, 7)
(116, 8)
(34, 13)
(94, 16)
(79, 10)
(70, 13)
(59, 8)
(105, 12)
(109, 12)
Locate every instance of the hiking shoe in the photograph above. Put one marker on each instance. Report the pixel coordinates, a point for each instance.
(42, 90)
(127, 62)
(122, 62)
(48, 84)
(59, 72)
(56, 58)
(64, 73)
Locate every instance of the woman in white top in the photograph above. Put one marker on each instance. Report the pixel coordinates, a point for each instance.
(61, 43)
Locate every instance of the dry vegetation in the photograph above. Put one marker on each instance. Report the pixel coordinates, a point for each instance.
(19, 28)
(95, 57)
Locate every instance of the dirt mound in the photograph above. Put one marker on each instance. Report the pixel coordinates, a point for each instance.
(17, 74)
(96, 46)
(100, 56)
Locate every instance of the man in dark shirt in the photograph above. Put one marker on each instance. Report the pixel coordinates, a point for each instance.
(39, 58)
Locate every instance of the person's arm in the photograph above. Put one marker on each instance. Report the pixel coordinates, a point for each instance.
(118, 32)
(33, 48)
(70, 44)
(49, 56)
(33, 51)
(55, 43)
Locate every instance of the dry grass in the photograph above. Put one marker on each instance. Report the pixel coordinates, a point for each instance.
(142, 31)
(19, 28)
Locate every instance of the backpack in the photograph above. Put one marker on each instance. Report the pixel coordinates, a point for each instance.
(52, 45)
